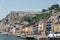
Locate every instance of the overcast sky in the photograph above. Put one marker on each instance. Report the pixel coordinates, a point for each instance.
(6, 6)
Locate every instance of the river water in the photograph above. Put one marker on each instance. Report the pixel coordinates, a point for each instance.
(7, 37)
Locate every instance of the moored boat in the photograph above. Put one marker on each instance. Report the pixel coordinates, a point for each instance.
(23, 36)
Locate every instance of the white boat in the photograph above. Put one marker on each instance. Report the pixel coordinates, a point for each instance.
(23, 36)
(18, 35)
(52, 35)
(57, 34)
(4, 33)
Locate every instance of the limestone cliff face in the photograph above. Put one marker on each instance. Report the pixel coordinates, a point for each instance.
(17, 16)
(13, 19)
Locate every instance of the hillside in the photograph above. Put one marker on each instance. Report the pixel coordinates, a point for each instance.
(18, 17)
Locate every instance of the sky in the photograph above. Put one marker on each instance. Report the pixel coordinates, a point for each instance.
(6, 6)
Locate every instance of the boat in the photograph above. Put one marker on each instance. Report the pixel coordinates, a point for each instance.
(23, 36)
(4, 33)
(30, 37)
(18, 35)
(51, 35)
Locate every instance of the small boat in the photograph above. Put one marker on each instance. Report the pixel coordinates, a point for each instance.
(18, 35)
(4, 33)
(30, 37)
(23, 36)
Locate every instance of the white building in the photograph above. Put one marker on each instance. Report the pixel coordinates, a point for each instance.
(40, 27)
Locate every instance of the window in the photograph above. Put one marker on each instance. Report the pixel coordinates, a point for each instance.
(48, 25)
(17, 13)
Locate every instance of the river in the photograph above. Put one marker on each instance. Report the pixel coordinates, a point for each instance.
(7, 37)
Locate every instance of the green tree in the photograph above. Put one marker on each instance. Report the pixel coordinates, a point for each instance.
(43, 10)
(55, 6)
(28, 19)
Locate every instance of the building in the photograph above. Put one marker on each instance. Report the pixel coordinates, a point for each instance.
(48, 27)
(56, 27)
(12, 31)
(42, 27)
(28, 30)
(52, 21)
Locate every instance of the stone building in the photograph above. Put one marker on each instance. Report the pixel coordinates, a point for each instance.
(28, 30)
(56, 27)
(42, 27)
